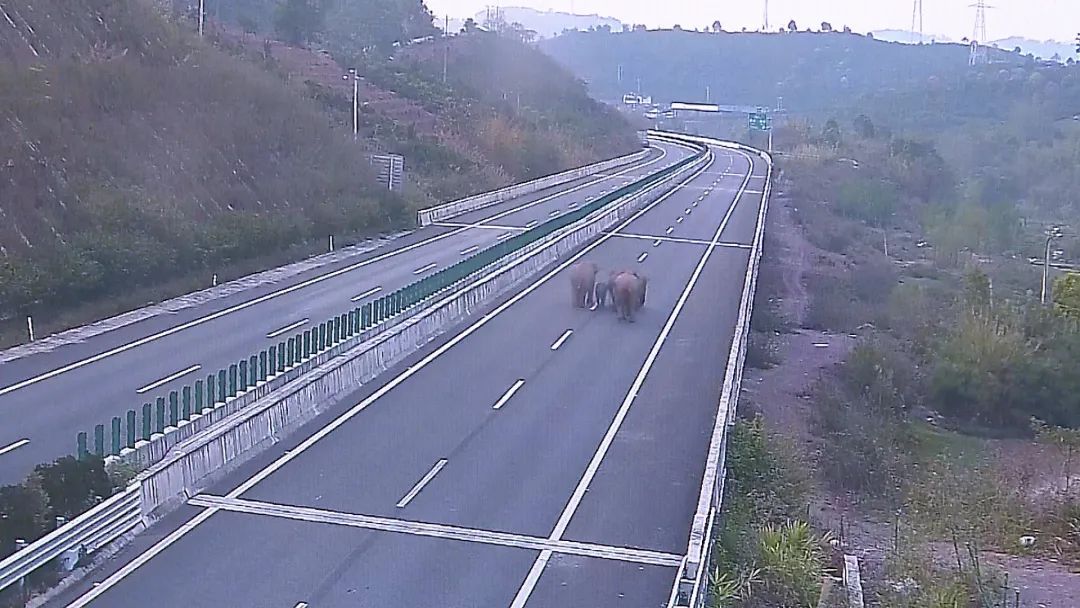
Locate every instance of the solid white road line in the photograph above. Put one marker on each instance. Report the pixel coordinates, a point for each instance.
(11, 448)
(423, 482)
(180, 374)
(537, 569)
(470, 250)
(163, 544)
(304, 284)
(563, 338)
(370, 292)
(641, 258)
(423, 269)
(442, 531)
(287, 328)
(509, 394)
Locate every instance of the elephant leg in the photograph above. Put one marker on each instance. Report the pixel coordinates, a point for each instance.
(575, 296)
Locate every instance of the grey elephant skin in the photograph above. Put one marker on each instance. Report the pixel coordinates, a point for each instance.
(583, 283)
(628, 294)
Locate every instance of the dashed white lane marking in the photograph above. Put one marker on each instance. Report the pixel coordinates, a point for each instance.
(532, 224)
(163, 381)
(401, 526)
(287, 328)
(554, 213)
(405, 500)
(679, 221)
(563, 338)
(422, 270)
(482, 226)
(669, 230)
(503, 237)
(656, 243)
(370, 292)
(508, 395)
(641, 258)
(300, 605)
(573, 205)
(470, 250)
(11, 448)
(688, 211)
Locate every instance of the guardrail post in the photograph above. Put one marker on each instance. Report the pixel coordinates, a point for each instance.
(185, 400)
(290, 353)
(344, 327)
(99, 440)
(337, 330)
(232, 381)
(324, 330)
(131, 424)
(253, 370)
(215, 388)
(160, 405)
(242, 373)
(200, 396)
(81, 449)
(174, 408)
(271, 362)
(115, 447)
(365, 316)
(147, 421)
(281, 357)
(307, 343)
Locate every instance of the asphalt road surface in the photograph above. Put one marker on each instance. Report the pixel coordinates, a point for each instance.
(540, 455)
(47, 398)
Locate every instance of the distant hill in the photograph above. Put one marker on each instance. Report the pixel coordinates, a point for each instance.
(1048, 49)
(812, 71)
(909, 37)
(546, 24)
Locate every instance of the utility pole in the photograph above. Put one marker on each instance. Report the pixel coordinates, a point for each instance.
(202, 15)
(1051, 234)
(355, 101)
(446, 47)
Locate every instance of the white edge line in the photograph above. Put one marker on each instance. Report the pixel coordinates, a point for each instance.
(287, 328)
(370, 292)
(562, 339)
(313, 281)
(509, 394)
(11, 448)
(179, 374)
(393, 383)
(420, 484)
(594, 465)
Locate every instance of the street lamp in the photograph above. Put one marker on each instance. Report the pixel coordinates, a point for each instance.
(355, 101)
(1053, 233)
(202, 15)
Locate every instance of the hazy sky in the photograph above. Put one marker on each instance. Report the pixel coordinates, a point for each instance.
(1037, 19)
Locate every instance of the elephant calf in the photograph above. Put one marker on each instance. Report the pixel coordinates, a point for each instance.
(602, 291)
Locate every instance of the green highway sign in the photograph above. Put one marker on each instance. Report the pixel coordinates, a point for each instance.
(759, 121)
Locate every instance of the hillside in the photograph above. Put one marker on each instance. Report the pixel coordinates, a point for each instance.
(135, 154)
(810, 70)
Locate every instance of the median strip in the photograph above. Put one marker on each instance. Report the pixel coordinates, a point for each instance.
(164, 381)
(420, 484)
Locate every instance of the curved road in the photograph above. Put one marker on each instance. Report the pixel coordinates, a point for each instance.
(47, 398)
(539, 456)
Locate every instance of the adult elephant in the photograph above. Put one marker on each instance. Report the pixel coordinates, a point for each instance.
(583, 283)
(628, 294)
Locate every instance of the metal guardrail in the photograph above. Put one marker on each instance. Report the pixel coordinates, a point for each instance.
(425, 217)
(89, 532)
(690, 588)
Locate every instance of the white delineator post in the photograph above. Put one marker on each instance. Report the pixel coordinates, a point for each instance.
(30, 327)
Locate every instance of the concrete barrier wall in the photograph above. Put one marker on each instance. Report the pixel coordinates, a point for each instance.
(203, 458)
(425, 217)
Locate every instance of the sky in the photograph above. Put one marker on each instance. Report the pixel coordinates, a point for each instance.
(1035, 19)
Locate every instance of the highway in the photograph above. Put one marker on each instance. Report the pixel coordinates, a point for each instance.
(47, 398)
(538, 455)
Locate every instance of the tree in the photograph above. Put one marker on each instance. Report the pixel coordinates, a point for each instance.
(792, 26)
(300, 21)
(847, 29)
(977, 291)
(831, 134)
(716, 27)
(826, 26)
(864, 127)
(469, 26)
(1065, 440)
(1067, 296)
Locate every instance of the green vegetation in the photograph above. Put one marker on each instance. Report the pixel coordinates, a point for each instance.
(136, 160)
(765, 555)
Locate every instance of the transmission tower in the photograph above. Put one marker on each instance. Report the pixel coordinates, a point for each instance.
(765, 27)
(917, 19)
(978, 38)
